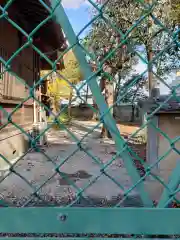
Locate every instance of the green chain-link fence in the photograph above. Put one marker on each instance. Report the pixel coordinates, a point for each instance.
(88, 177)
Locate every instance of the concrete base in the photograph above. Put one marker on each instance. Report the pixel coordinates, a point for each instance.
(13, 144)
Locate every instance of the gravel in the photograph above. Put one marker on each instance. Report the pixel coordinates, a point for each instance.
(80, 169)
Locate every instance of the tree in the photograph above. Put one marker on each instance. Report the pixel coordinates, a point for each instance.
(72, 73)
(134, 94)
(60, 82)
(148, 33)
(72, 70)
(175, 12)
(106, 39)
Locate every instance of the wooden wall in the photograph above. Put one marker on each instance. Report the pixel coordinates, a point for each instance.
(25, 71)
(25, 65)
(21, 116)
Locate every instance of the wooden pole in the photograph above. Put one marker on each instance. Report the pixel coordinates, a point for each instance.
(150, 54)
(34, 108)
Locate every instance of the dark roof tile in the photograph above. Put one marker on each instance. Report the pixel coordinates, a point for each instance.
(28, 14)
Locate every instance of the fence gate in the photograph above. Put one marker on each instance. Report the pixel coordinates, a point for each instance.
(81, 186)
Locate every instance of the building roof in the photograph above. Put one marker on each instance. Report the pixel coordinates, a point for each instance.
(170, 106)
(28, 14)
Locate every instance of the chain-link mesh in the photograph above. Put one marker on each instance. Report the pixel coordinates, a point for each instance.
(77, 167)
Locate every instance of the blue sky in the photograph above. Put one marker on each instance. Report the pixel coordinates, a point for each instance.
(79, 17)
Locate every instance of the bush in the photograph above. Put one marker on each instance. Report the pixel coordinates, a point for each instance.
(63, 119)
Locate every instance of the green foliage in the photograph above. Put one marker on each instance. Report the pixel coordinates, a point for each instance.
(60, 88)
(105, 37)
(71, 71)
(175, 14)
(135, 93)
(118, 18)
(63, 118)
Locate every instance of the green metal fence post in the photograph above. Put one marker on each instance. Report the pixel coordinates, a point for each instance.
(63, 20)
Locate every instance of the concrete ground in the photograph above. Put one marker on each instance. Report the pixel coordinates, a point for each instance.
(38, 169)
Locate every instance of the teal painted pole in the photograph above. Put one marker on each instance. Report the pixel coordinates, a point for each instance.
(62, 19)
(174, 180)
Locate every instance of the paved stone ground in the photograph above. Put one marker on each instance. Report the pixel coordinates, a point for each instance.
(80, 168)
